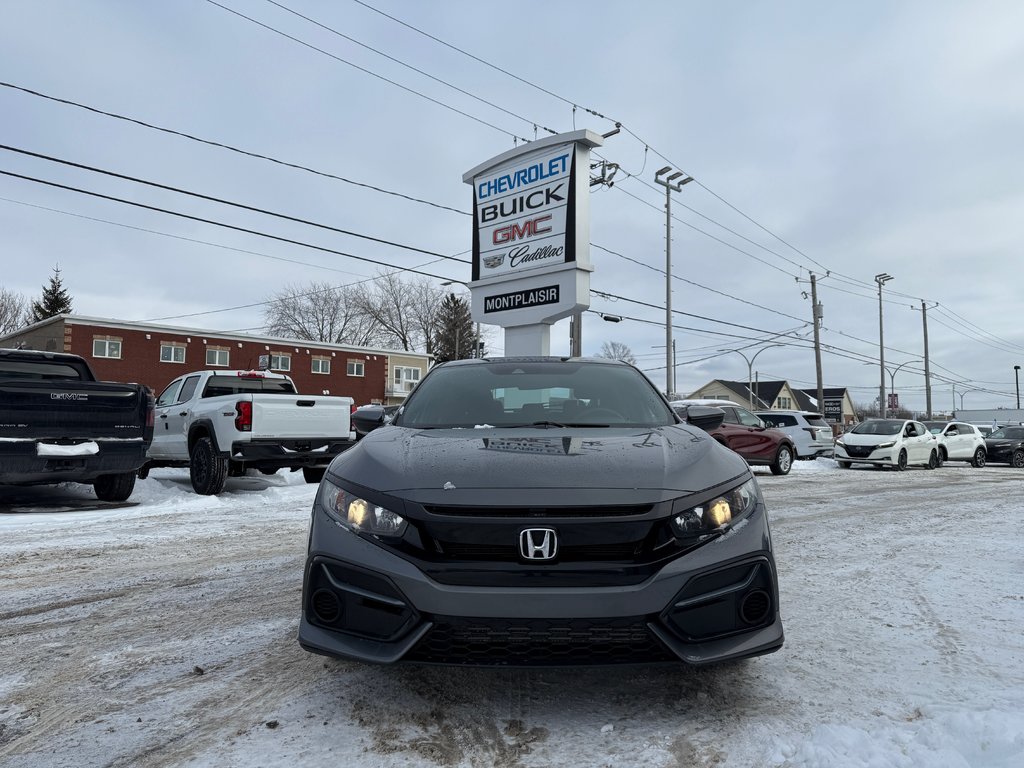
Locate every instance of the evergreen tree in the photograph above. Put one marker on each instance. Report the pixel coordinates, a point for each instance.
(455, 337)
(54, 301)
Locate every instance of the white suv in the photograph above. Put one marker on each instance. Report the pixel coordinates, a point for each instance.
(811, 434)
(959, 442)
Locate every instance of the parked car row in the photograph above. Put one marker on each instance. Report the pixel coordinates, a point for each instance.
(748, 435)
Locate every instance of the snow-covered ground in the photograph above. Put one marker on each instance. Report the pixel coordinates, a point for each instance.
(162, 633)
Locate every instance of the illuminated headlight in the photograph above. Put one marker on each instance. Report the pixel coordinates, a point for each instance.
(717, 513)
(357, 513)
(890, 444)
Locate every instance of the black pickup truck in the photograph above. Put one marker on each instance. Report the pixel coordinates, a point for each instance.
(58, 424)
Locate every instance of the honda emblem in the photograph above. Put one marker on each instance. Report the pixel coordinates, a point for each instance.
(538, 544)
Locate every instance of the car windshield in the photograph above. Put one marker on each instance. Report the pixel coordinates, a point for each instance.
(878, 427)
(542, 392)
(1008, 433)
(935, 427)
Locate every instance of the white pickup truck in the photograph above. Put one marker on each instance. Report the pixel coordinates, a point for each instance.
(220, 423)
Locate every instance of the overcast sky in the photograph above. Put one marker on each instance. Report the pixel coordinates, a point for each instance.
(846, 139)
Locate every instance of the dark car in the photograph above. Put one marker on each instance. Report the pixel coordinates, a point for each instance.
(1006, 446)
(389, 412)
(749, 436)
(539, 512)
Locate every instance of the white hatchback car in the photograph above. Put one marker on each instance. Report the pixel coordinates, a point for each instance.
(811, 434)
(896, 443)
(959, 442)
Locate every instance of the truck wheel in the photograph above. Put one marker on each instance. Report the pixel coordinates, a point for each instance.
(143, 472)
(114, 487)
(783, 461)
(313, 474)
(207, 470)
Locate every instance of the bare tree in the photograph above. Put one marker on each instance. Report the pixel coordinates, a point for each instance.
(15, 311)
(616, 350)
(320, 312)
(404, 311)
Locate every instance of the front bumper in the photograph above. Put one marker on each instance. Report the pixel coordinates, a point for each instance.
(882, 457)
(714, 603)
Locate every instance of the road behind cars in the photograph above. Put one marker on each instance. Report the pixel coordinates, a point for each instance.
(164, 634)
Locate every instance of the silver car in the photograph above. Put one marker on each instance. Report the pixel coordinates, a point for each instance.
(811, 434)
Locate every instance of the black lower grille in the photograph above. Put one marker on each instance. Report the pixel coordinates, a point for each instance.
(540, 642)
(568, 554)
(860, 451)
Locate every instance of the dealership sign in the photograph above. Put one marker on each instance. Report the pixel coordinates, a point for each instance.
(531, 237)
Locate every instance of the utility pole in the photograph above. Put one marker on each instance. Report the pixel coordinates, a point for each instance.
(816, 316)
(576, 335)
(671, 185)
(882, 279)
(927, 374)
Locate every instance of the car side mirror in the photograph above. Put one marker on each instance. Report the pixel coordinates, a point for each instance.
(368, 418)
(705, 417)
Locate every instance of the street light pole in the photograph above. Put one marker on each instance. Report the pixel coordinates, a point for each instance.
(670, 184)
(750, 370)
(1016, 376)
(881, 279)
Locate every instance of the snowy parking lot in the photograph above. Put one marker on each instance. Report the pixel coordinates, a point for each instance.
(161, 632)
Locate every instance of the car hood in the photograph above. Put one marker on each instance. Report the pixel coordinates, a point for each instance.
(677, 459)
(851, 438)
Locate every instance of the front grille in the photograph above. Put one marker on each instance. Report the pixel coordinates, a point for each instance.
(531, 512)
(539, 642)
(860, 451)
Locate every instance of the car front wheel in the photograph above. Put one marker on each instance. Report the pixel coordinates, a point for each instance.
(1017, 459)
(783, 461)
(901, 461)
(844, 464)
(979, 458)
(933, 461)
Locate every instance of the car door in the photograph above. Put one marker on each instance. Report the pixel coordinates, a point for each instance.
(751, 436)
(172, 419)
(956, 441)
(923, 441)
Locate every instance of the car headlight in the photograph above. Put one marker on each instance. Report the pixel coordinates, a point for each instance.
(357, 513)
(718, 513)
(890, 444)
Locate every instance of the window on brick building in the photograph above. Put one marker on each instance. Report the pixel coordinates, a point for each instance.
(217, 356)
(355, 368)
(172, 352)
(106, 346)
(321, 365)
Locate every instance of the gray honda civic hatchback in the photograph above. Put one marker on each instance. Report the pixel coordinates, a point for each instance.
(539, 512)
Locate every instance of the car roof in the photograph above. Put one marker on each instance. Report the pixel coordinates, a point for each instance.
(533, 359)
(770, 411)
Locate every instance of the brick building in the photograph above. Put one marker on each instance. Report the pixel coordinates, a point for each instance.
(154, 355)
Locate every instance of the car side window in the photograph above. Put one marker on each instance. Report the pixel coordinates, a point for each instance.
(730, 415)
(168, 395)
(747, 419)
(188, 389)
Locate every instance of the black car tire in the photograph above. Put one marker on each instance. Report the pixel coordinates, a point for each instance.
(943, 458)
(901, 460)
(979, 458)
(783, 461)
(1017, 460)
(844, 464)
(313, 474)
(206, 469)
(114, 487)
(933, 461)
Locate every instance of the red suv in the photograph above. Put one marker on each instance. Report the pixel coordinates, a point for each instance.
(746, 434)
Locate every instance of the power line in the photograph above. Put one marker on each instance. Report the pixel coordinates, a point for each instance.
(368, 72)
(214, 223)
(482, 100)
(228, 147)
(222, 201)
